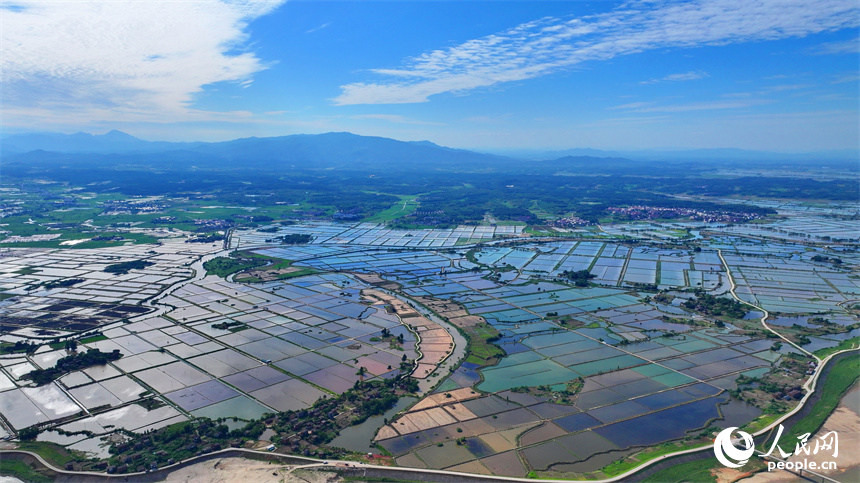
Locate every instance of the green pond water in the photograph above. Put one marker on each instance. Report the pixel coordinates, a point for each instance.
(358, 437)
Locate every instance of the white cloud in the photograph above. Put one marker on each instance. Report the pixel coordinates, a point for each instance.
(692, 106)
(681, 77)
(550, 44)
(846, 47)
(788, 87)
(845, 78)
(318, 28)
(394, 118)
(633, 106)
(114, 59)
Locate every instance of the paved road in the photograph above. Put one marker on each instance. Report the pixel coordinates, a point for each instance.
(764, 312)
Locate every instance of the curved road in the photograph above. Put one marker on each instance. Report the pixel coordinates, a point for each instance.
(763, 311)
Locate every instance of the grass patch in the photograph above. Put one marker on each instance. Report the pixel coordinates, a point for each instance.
(135, 238)
(22, 471)
(471, 256)
(225, 266)
(845, 344)
(698, 471)
(761, 422)
(52, 453)
(280, 276)
(94, 337)
(482, 349)
(534, 231)
(91, 339)
(626, 464)
(405, 206)
(257, 273)
(19, 347)
(254, 264)
(36, 244)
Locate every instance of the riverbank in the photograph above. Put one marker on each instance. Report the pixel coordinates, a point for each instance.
(845, 421)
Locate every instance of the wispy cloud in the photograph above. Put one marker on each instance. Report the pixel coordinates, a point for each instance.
(121, 58)
(318, 28)
(845, 78)
(682, 77)
(393, 118)
(632, 106)
(788, 87)
(551, 44)
(846, 47)
(692, 106)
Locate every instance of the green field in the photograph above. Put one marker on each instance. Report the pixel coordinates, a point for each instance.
(481, 350)
(136, 238)
(627, 464)
(277, 264)
(246, 261)
(403, 207)
(52, 453)
(224, 266)
(845, 344)
(693, 471)
(22, 471)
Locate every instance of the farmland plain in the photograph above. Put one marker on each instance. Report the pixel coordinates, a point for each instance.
(543, 350)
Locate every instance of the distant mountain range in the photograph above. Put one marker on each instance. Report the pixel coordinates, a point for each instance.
(108, 143)
(715, 154)
(340, 150)
(320, 151)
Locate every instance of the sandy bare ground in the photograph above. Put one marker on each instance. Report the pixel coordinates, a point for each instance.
(240, 470)
(436, 342)
(845, 420)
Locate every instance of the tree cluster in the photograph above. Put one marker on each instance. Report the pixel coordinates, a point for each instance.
(706, 303)
(125, 267)
(74, 362)
(579, 278)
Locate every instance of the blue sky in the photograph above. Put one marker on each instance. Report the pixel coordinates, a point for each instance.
(778, 75)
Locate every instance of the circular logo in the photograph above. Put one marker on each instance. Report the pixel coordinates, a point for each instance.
(730, 455)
